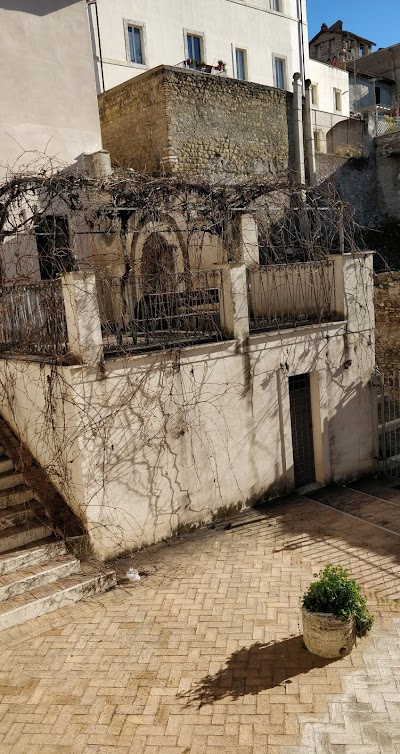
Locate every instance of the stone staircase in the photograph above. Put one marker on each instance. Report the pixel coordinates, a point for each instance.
(37, 574)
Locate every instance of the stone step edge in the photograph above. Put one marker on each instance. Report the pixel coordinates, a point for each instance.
(52, 570)
(17, 536)
(32, 509)
(10, 479)
(21, 494)
(89, 586)
(11, 561)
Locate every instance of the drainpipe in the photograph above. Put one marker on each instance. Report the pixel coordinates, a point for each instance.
(301, 37)
(309, 135)
(90, 3)
(298, 129)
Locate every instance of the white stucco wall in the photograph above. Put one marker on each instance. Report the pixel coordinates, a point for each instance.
(161, 441)
(48, 92)
(224, 24)
(328, 79)
(324, 114)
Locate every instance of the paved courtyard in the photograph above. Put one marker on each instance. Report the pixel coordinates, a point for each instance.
(204, 655)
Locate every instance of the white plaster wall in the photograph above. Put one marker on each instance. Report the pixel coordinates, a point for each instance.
(225, 24)
(159, 441)
(210, 431)
(35, 400)
(48, 91)
(323, 114)
(328, 79)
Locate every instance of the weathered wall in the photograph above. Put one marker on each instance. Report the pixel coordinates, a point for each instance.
(387, 308)
(162, 441)
(388, 173)
(212, 125)
(355, 181)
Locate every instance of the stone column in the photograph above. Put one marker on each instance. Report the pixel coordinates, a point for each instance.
(96, 164)
(234, 309)
(85, 340)
(308, 127)
(298, 128)
(248, 252)
(338, 282)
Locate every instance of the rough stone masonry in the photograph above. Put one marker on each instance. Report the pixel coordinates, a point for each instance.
(197, 123)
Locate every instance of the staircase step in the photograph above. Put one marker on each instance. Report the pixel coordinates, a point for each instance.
(18, 536)
(18, 515)
(33, 576)
(8, 480)
(52, 596)
(6, 464)
(15, 496)
(14, 561)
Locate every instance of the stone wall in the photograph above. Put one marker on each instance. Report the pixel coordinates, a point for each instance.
(355, 181)
(387, 313)
(133, 122)
(212, 125)
(388, 173)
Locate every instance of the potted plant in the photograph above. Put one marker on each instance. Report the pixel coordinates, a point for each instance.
(334, 614)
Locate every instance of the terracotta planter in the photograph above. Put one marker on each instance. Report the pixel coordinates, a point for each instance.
(326, 636)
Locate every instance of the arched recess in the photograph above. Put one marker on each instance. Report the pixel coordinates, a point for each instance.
(157, 265)
(156, 247)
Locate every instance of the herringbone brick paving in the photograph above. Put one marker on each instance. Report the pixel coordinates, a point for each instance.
(204, 655)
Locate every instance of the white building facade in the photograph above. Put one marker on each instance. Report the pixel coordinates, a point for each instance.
(48, 92)
(330, 100)
(264, 41)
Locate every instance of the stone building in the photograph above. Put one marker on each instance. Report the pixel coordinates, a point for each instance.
(336, 46)
(184, 379)
(181, 120)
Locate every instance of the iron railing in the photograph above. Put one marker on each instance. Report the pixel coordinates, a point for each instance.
(388, 417)
(153, 312)
(286, 295)
(32, 319)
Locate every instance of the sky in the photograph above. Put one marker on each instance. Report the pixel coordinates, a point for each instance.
(379, 23)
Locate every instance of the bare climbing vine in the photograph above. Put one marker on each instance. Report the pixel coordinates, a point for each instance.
(151, 419)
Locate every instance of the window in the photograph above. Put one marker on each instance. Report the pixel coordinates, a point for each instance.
(276, 5)
(317, 141)
(280, 73)
(52, 240)
(241, 64)
(135, 44)
(378, 95)
(314, 94)
(194, 48)
(338, 100)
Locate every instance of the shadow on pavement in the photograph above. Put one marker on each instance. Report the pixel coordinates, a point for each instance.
(253, 669)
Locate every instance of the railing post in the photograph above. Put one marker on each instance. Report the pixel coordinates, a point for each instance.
(338, 282)
(249, 251)
(234, 304)
(85, 340)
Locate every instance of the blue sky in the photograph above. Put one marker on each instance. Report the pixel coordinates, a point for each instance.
(378, 22)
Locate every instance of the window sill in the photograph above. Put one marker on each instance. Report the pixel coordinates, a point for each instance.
(124, 63)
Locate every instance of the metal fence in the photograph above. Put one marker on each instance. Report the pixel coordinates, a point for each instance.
(388, 417)
(387, 124)
(291, 294)
(153, 312)
(32, 319)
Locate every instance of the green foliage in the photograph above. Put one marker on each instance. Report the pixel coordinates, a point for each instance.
(336, 593)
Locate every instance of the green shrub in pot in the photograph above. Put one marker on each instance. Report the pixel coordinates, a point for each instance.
(336, 594)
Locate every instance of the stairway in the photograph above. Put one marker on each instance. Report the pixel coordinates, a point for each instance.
(37, 574)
